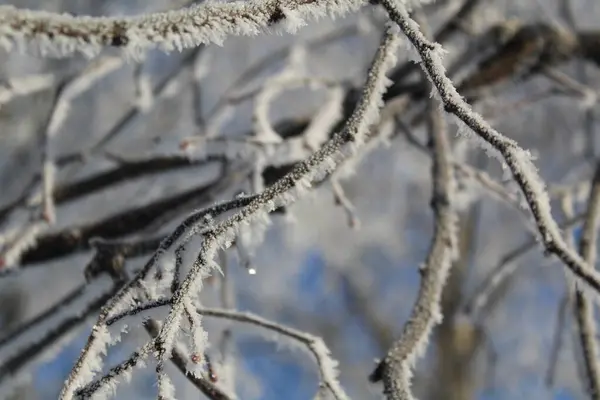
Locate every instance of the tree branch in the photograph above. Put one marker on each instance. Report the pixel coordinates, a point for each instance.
(65, 34)
(395, 369)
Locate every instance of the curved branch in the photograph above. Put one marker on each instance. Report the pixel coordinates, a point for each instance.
(395, 369)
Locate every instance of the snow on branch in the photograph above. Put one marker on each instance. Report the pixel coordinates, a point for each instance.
(296, 181)
(216, 233)
(395, 369)
(327, 365)
(494, 188)
(67, 94)
(63, 34)
(80, 373)
(23, 86)
(518, 160)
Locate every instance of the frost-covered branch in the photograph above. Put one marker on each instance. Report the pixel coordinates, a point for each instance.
(395, 369)
(316, 346)
(302, 175)
(139, 309)
(97, 340)
(24, 86)
(518, 160)
(454, 24)
(465, 171)
(39, 334)
(66, 94)
(64, 34)
(208, 388)
(226, 344)
(76, 238)
(218, 234)
(327, 365)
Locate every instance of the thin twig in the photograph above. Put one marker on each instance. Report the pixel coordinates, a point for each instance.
(190, 224)
(65, 96)
(315, 344)
(208, 388)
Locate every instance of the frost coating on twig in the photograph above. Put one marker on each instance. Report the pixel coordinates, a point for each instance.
(16, 87)
(41, 338)
(199, 339)
(124, 299)
(166, 389)
(20, 241)
(325, 119)
(220, 233)
(93, 363)
(396, 368)
(71, 90)
(518, 160)
(287, 189)
(61, 35)
(290, 77)
(327, 365)
(106, 386)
